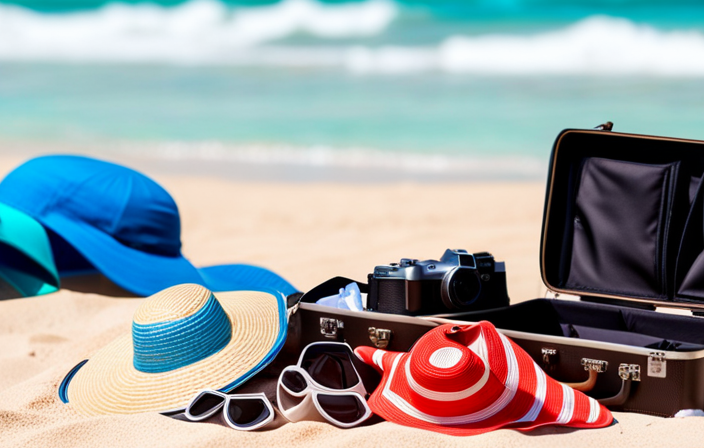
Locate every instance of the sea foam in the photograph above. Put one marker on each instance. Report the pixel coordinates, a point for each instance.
(196, 32)
(207, 32)
(598, 45)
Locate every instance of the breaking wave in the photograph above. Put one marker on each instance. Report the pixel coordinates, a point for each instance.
(597, 45)
(199, 31)
(208, 32)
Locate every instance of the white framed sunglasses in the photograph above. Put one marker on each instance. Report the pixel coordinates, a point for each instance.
(244, 412)
(324, 385)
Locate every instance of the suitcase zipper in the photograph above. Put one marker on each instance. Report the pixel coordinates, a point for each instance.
(608, 126)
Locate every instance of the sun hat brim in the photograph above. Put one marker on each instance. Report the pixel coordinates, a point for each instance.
(244, 277)
(388, 402)
(143, 273)
(108, 383)
(391, 401)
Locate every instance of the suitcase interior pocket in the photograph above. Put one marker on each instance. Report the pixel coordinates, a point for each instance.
(598, 322)
(629, 337)
(620, 228)
(689, 271)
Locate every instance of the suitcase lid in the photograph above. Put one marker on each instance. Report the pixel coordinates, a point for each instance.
(623, 219)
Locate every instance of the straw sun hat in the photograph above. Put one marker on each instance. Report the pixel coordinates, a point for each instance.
(470, 379)
(184, 339)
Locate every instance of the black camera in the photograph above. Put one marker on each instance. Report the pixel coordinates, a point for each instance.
(458, 282)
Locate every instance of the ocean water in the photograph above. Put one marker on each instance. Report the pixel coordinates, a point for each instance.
(462, 89)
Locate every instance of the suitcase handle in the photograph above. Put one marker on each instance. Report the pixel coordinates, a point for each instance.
(627, 372)
(621, 397)
(617, 400)
(593, 366)
(584, 386)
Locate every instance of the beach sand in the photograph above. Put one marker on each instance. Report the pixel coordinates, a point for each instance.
(307, 233)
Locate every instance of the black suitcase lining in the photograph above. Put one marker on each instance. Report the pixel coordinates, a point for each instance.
(626, 218)
(618, 230)
(598, 322)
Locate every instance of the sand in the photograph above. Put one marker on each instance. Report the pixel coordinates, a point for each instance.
(307, 233)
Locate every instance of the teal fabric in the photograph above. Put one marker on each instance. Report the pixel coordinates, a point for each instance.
(26, 260)
(166, 346)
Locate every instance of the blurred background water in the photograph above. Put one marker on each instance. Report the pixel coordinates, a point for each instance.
(458, 88)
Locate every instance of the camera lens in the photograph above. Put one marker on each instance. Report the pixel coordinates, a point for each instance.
(460, 287)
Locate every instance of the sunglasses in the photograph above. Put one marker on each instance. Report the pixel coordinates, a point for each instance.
(324, 384)
(245, 412)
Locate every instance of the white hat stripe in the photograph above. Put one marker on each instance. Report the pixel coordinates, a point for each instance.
(594, 410)
(512, 380)
(445, 357)
(445, 396)
(479, 348)
(540, 392)
(378, 357)
(567, 405)
(479, 345)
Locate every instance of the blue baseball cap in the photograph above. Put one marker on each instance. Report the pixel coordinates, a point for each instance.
(26, 263)
(125, 225)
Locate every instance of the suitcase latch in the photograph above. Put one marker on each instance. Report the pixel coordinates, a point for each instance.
(330, 327)
(380, 337)
(549, 357)
(629, 372)
(657, 365)
(596, 365)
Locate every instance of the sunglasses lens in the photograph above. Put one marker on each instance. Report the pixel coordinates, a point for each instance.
(205, 403)
(330, 365)
(294, 381)
(244, 412)
(343, 408)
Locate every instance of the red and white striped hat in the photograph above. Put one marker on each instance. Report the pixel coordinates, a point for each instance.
(470, 379)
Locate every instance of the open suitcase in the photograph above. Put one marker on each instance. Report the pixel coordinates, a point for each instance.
(623, 234)
(623, 230)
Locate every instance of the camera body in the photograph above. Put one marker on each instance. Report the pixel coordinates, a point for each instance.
(458, 282)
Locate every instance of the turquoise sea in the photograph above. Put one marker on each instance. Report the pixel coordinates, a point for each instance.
(463, 89)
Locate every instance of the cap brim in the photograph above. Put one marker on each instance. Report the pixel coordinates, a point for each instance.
(26, 261)
(139, 272)
(25, 284)
(109, 383)
(145, 274)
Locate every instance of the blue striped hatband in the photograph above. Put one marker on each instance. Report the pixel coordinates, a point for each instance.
(166, 346)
